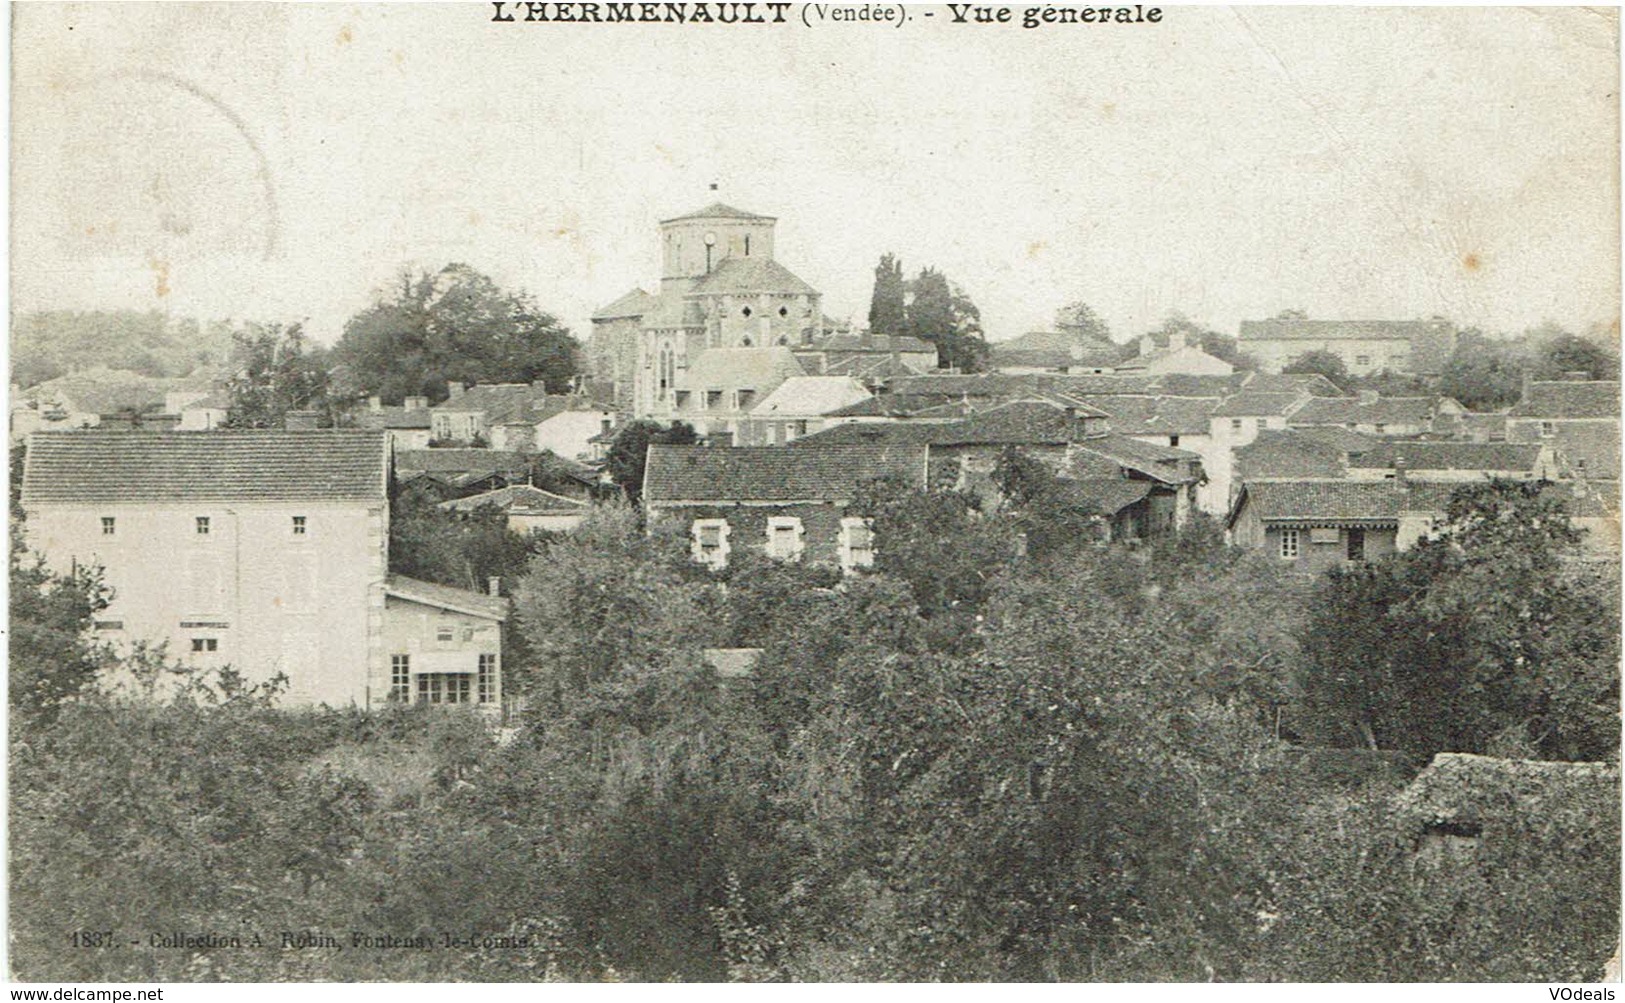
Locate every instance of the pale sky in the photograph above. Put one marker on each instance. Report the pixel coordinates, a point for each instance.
(283, 162)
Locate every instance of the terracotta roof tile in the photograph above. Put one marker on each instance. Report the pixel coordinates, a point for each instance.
(774, 473)
(68, 468)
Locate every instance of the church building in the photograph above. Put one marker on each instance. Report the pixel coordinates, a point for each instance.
(720, 334)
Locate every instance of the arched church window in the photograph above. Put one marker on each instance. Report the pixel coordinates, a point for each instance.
(667, 369)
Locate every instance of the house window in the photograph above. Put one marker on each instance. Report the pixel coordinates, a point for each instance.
(711, 542)
(109, 525)
(298, 525)
(1356, 545)
(1548, 429)
(1380, 427)
(1289, 544)
(1173, 440)
(400, 678)
(445, 634)
(857, 543)
(747, 245)
(1580, 467)
(713, 400)
(487, 679)
(1362, 360)
(202, 644)
(801, 426)
(443, 687)
(202, 525)
(784, 538)
(1235, 424)
(743, 399)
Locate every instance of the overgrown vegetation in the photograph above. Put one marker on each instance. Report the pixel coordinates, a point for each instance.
(970, 763)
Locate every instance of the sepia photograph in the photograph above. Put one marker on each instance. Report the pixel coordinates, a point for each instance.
(509, 492)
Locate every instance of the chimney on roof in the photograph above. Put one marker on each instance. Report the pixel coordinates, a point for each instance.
(1148, 344)
(493, 585)
(375, 404)
(416, 403)
(1176, 340)
(454, 390)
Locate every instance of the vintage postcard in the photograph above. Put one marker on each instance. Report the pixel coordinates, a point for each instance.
(522, 492)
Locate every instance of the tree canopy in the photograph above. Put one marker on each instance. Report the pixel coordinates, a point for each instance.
(1327, 364)
(941, 313)
(887, 306)
(630, 451)
(277, 371)
(452, 325)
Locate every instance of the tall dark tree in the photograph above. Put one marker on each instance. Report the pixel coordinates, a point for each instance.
(1484, 373)
(1080, 320)
(277, 371)
(1567, 353)
(941, 313)
(452, 325)
(630, 451)
(1485, 640)
(887, 309)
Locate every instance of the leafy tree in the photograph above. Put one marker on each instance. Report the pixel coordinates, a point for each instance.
(1483, 640)
(1080, 320)
(46, 344)
(52, 658)
(630, 451)
(1484, 373)
(277, 371)
(941, 313)
(453, 325)
(1568, 353)
(1327, 364)
(887, 312)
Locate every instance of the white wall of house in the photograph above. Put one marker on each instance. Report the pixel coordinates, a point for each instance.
(252, 592)
(567, 433)
(444, 643)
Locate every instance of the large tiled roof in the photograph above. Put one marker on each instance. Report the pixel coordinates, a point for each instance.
(718, 210)
(1555, 400)
(1257, 404)
(495, 400)
(1054, 350)
(446, 597)
(1329, 500)
(1157, 415)
(1016, 423)
(517, 498)
(1491, 457)
(441, 461)
(101, 391)
(1163, 463)
(1013, 385)
(1190, 352)
(774, 473)
(861, 365)
(1110, 495)
(1313, 384)
(1353, 411)
(878, 406)
(751, 275)
(71, 468)
(877, 343)
(634, 304)
(669, 310)
(1287, 453)
(759, 369)
(811, 395)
